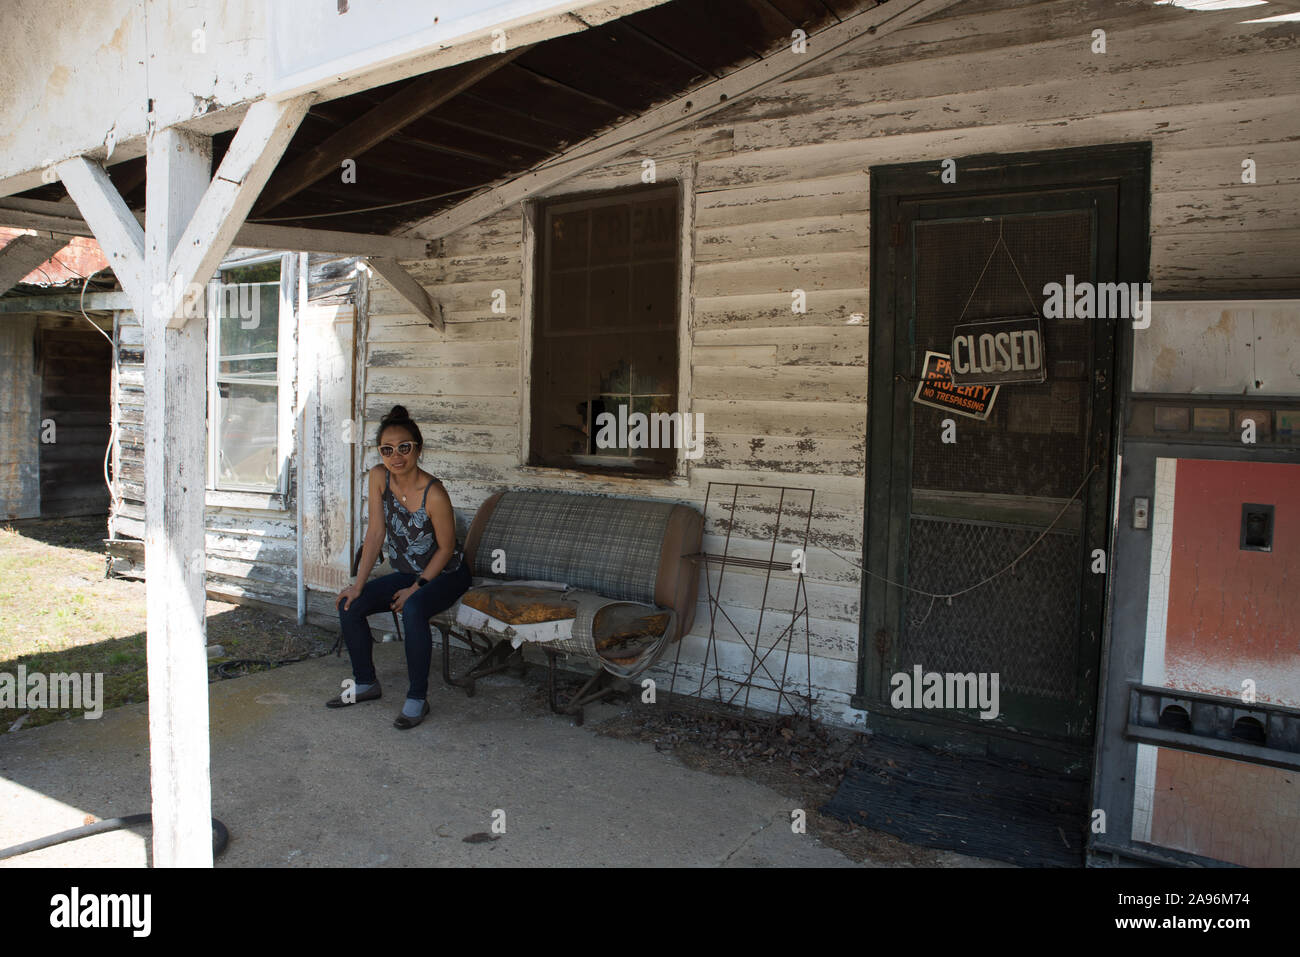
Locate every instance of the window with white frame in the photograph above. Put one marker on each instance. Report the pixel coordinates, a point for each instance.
(245, 346)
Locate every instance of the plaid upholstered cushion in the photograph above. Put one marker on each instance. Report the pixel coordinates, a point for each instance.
(605, 545)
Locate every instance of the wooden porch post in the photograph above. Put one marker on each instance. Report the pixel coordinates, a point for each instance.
(175, 428)
(190, 221)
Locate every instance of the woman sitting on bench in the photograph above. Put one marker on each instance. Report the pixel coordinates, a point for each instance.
(420, 542)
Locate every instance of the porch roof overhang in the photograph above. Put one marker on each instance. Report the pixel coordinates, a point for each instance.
(430, 143)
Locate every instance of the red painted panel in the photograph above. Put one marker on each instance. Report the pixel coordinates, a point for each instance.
(1227, 810)
(1234, 614)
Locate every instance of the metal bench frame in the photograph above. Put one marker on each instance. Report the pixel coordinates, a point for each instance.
(500, 655)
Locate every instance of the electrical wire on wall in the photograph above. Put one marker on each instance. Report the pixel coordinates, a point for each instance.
(112, 434)
(112, 431)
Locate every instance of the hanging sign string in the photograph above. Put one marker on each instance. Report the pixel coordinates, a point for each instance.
(1000, 242)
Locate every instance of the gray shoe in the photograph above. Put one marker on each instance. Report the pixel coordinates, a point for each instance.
(370, 694)
(404, 722)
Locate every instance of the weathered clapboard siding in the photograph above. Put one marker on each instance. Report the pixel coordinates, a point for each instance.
(76, 371)
(20, 399)
(54, 416)
(251, 552)
(781, 191)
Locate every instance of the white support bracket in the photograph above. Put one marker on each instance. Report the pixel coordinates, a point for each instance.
(120, 236)
(257, 147)
(409, 289)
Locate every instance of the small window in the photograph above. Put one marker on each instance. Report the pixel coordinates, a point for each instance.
(244, 393)
(605, 330)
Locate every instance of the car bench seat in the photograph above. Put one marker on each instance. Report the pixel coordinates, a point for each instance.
(610, 581)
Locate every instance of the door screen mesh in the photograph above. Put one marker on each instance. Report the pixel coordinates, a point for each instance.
(1023, 624)
(1033, 442)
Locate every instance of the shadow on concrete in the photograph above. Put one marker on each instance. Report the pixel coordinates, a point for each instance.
(300, 785)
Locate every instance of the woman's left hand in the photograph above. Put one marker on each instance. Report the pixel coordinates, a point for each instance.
(399, 597)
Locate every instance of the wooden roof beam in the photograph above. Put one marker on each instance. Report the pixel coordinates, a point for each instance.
(707, 98)
(71, 303)
(197, 252)
(61, 219)
(22, 254)
(399, 110)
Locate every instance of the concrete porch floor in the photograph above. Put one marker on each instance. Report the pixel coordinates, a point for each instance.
(300, 785)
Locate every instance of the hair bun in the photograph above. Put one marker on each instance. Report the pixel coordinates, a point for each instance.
(397, 413)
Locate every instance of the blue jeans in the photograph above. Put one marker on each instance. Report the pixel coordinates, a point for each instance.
(377, 596)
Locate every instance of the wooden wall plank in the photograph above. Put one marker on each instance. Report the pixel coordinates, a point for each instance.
(791, 383)
(20, 415)
(842, 232)
(782, 274)
(776, 417)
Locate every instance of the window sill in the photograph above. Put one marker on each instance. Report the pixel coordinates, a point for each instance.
(679, 481)
(266, 501)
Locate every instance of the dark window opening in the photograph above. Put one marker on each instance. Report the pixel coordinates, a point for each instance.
(1256, 528)
(605, 335)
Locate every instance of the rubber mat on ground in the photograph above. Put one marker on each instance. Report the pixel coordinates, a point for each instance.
(1000, 811)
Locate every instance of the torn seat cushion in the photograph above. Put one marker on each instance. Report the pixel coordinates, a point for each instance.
(520, 605)
(623, 630)
(572, 621)
(518, 612)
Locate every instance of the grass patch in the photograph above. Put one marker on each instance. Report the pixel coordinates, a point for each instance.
(59, 614)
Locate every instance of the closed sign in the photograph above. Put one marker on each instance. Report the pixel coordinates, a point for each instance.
(998, 351)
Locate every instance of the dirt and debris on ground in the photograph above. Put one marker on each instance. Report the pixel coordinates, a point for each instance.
(801, 759)
(60, 614)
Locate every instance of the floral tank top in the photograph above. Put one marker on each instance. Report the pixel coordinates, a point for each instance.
(409, 540)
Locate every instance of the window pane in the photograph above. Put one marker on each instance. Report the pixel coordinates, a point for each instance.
(568, 236)
(609, 289)
(612, 404)
(562, 365)
(654, 363)
(609, 234)
(261, 369)
(567, 309)
(654, 229)
(250, 319)
(268, 271)
(565, 431)
(654, 295)
(246, 434)
(610, 366)
(665, 454)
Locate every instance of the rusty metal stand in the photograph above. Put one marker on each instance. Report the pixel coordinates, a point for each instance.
(598, 686)
(799, 609)
(492, 657)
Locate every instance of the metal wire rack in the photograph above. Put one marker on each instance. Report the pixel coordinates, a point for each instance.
(720, 619)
